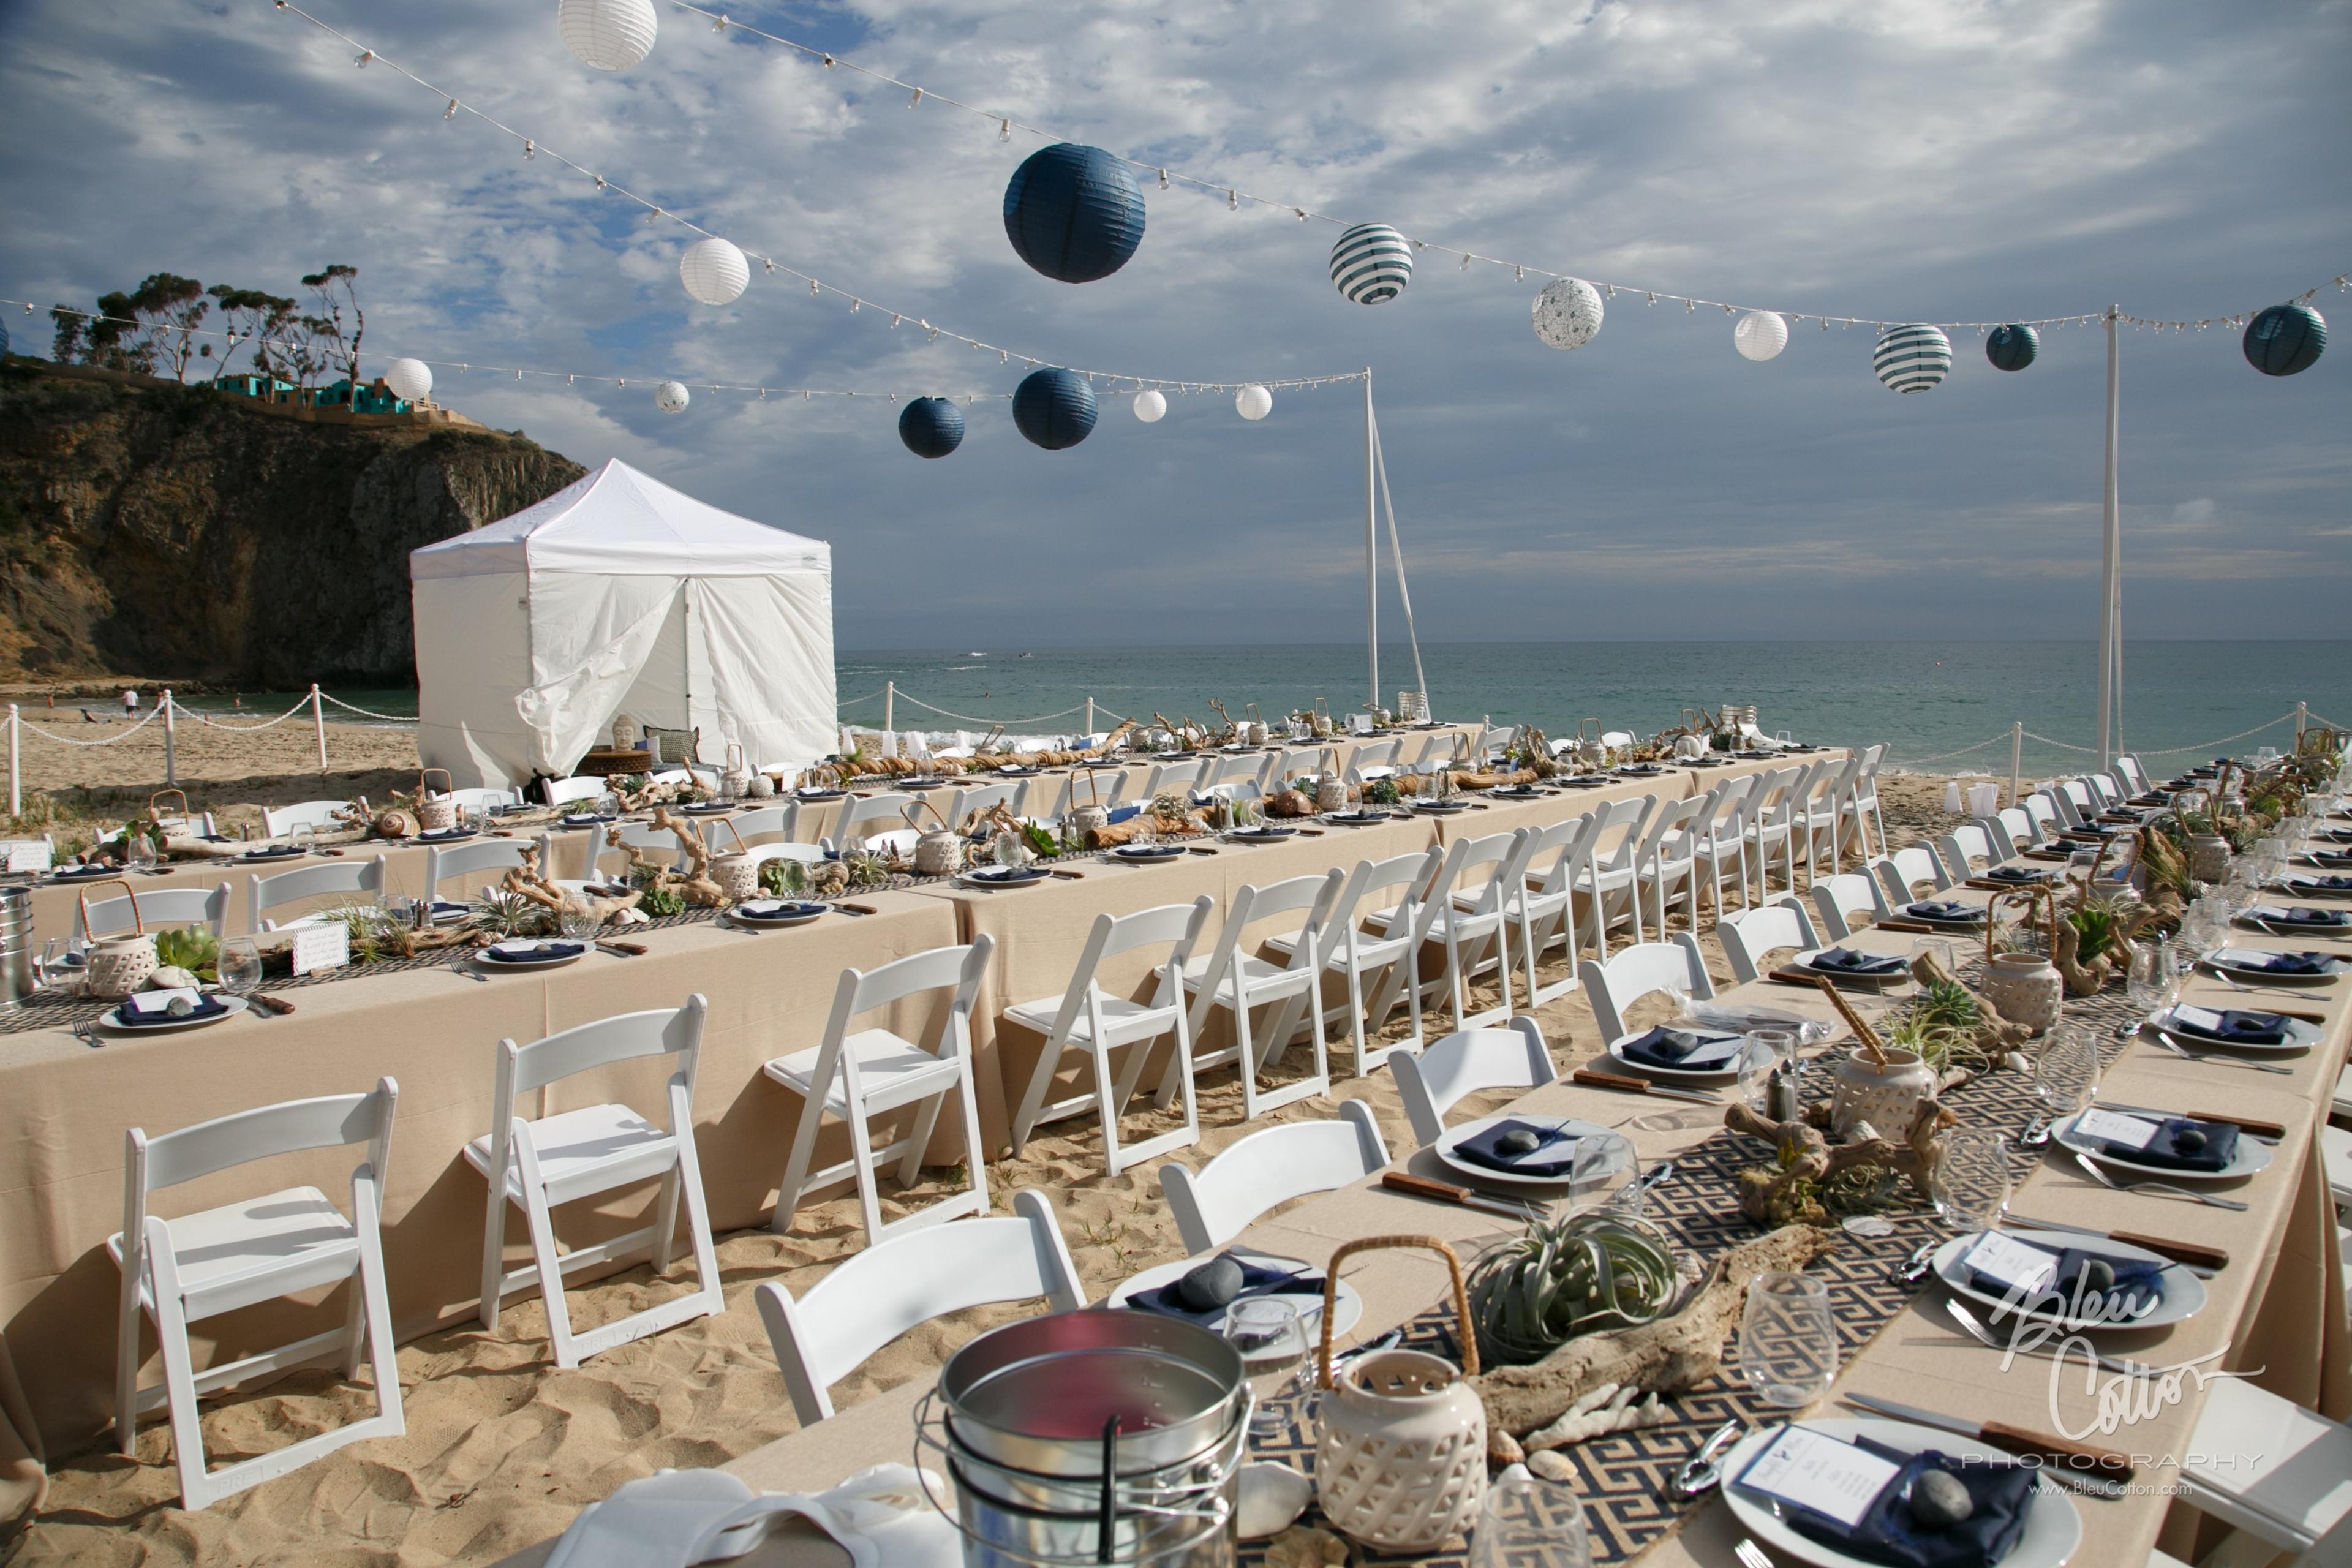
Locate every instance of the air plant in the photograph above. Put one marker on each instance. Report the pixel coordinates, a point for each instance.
(2096, 930)
(500, 914)
(1585, 1274)
(376, 930)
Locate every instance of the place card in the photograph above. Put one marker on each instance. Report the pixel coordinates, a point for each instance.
(1823, 1474)
(2204, 1018)
(2116, 1129)
(160, 1002)
(34, 855)
(2010, 1264)
(1714, 1052)
(319, 947)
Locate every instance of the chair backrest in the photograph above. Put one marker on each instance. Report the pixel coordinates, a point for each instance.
(2134, 776)
(1367, 892)
(1901, 873)
(956, 970)
(908, 1279)
(1375, 760)
(1177, 926)
(329, 1121)
(484, 799)
(1840, 898)
(2077, 792)
(158, 910)
(1673, 834)
(1490, 864)
(2104, 788)
(1359, 723)
(275, 892)
(1222, 1199)
(1864, 783)
(1642, 970)
(625, 1037)
(1749, 936)
(2063, 803)
(316, 815)
(1776, 798)
(1557, 855)
(1618, 841)
(445, 860)
(580, 786)
(861, 819)
(783, 821)
(2010, 829)
(1511, 1057)
(1730, 804)
(2042, 810)
(1298, 763)
(1313, 894)
(1960, 849)
(1230, 769)
(970, 802)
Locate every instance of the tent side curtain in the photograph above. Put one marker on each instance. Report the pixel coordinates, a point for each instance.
(592, 638)
(766, 644)
(473, 654)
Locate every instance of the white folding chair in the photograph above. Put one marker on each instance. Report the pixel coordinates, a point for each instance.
(1720, 850)
(1839, 899)
(443, 861)
(1651, 968)
(1176, 778)
(2008, 830)
(899, 1284)
(199, 1266)
(2134, 777)
(1513, 1056)
(2069, 799)
(1770, 830)
(1267, 1169)
(1860, 801)
(1749, 936)
(871, 816)
(318, 815)
(1232, 975)
(2278, 1475)
(1902, 874)
(1821, 813)
(967, 803)
(1373, 761)
(1667, 863)
(1542, 908)
(1375, 964)
(1466, 910)
(580, 786)
(160, 910)
(360, 879)
(540, 1163)
(859, 1076)
(1962, 849)
(1094, 1023)
(783, 821)
(1607, 880)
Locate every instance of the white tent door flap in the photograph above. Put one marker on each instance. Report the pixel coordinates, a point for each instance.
(658, 696)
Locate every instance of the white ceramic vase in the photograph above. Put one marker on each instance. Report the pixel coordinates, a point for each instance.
(1401, 1463)
(1887, 1098)
(2026, 988)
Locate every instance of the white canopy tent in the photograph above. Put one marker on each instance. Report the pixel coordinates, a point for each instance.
(619, 594)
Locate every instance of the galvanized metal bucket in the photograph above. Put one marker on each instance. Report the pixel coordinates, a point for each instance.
(17, 980)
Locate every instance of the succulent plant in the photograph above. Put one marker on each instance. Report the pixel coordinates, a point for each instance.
(1585, 1274)
(784, 877)
(192, 948)
(660, 902)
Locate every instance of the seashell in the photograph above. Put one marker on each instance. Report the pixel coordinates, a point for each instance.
(1552, 1465)
(1273, 1496)
(1302, 1546)
(761, 788)
(396, 824)
(632, 916)
(172, 977)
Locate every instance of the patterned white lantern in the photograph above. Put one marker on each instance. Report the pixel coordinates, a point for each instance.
(713, 271)
(1150, 405)
(411, 380)
(670, 397)
(610, 35)
(1253, 402)
(1761, 335)
(1912, 358)
(1568, 313)
(1371, 263)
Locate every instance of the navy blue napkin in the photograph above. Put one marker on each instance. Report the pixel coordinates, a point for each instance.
(2332, 857)
(2326, 884)
(548, 954)
(1838, 961)
(1256, 1280)
(2305, 915)
(2163, 1150)
(206, 1007)
(2238, 1027)
(2001, 1491)
(2136, 1287)
(2016, 874)
(1481, 1150)
(2288, 963)
(1943, 910)
(1666, 1048)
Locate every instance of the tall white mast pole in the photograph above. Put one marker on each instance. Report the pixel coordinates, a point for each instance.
(1371, 548)
(2111, 598)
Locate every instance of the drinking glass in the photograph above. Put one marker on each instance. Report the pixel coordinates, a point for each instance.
(1937, 948)
(1607, 1173)
(238, 965)
(1147, 831)
(1527, 1522)
(141, 852)
(1266, 1330)
(57, 970)
(1757, 1060)
(2151, 980)
(578, 920)
(1782, 1042)
(1971, 1186)
(1788, 1341)
(2066, 1074)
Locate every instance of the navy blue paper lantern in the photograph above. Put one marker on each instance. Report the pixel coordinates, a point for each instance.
(2285, 340)
(931, 427)
(1054, 408)
(2013, 347)
(1073, 213)
(3, 340)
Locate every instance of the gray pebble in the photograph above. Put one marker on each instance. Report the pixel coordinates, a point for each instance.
(1517, 1140)
(1211, 1284)
(1938, 1501)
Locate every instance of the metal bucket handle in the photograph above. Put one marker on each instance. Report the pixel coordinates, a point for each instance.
(81, 895)
(1469, 1341)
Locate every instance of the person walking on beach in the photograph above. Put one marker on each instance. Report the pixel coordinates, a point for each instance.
(130, 702)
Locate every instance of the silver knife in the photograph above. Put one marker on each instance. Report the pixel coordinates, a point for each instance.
(2013, 1223)
(2106, 1477)
(2185, 1116)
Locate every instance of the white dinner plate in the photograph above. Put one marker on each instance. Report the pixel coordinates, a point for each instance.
(529, 953)
(2232, 961)
(2053, 1527)
(2249, 1157)
(1475, 1172)
(1348, 1312)
(1898, 975)
(774, 914)
(1146, 854)
(1973, 921)
(111, 1022)
(2300, 1034)
(2274, 920)
(1261, 834)
(1000, 879)
(1696, 1075)
(2183, 1293)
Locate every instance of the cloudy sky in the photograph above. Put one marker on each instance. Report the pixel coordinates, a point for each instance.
(1938, 160)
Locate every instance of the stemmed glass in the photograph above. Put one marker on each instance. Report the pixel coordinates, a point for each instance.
(1527, 1523)
(1788, 1340)
(2066, 1074)
(1971, 1184)
(1266, 1330)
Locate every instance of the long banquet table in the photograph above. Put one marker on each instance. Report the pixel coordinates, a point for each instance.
(64, 1105)
(2277, 1313)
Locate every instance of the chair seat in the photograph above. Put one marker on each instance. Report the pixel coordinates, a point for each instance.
(1254, 971)
(2343, 1106)
(1119, 1013)
(889, 1066)
(577, 1147)
(256, 1241)
(2267, 1461)
(2336, 1151)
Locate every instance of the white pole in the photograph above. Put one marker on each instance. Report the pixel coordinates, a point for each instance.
(319, 722)
(1371, 550)
(171, 742)
(16, 795)
(2111, 559)
(889, 704)
(2302, 722)
(2016, 755)
(1090, 718)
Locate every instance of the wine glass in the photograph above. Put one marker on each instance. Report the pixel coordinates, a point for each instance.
(2066, 1074)
(1971, 1184)
(1527, 1523)
(1606, 1172)
(1788, 1340)
(237, 965)
(1266, 1330)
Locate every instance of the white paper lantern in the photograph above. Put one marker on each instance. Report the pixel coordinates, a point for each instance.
(1253, 402)
(411, 380)
(1761, 335)
(1568, 313)
(610, 35)
(1150, 405)
(713, 271)
(1912, 358)
(670, 397)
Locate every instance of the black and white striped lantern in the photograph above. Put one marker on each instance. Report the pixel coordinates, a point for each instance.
(1371, 264)
(2285, 340)
(1912, 358)
(2013, 347)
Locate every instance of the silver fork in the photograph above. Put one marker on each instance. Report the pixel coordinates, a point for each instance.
(2161, 1189)
(2185, 1054)
(1750, 1555)
(88, 1034)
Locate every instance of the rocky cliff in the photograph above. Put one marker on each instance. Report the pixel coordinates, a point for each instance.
(174, 532)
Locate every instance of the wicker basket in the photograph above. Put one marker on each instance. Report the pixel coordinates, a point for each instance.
(119, 965)
(736, 872)
(435, 812)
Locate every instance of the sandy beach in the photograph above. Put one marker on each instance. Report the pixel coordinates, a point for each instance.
(501, 1447)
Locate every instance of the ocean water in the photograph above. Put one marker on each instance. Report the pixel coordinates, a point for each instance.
(1928, 699)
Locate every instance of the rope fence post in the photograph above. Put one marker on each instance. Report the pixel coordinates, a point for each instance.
(1090, 718)
(319, 722)
(2016, 756)
(2302, 722)
(889, 703)
(171, 742)
(16, 795)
